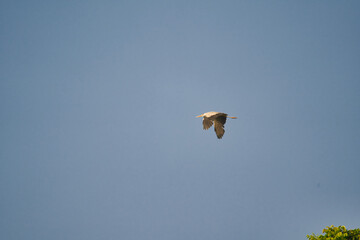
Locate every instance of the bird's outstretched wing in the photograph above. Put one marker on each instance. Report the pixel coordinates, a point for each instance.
(207, 123)
(219, 126)
(221, 118)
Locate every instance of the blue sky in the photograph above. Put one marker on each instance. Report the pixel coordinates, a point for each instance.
(99, 138)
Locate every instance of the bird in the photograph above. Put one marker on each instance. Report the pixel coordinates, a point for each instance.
(218, 118)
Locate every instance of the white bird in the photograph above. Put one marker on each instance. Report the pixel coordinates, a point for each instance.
(215, 117)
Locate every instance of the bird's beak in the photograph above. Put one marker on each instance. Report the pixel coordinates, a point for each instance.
(199, 116)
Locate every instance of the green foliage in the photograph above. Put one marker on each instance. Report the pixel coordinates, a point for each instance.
(337, 233)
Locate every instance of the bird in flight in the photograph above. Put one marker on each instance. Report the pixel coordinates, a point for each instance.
(215, 117)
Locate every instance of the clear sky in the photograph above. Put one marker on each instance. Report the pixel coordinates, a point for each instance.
(99, 138)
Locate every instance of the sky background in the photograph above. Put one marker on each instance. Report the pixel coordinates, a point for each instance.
(99, 138)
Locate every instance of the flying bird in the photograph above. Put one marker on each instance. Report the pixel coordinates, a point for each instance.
(215, 117)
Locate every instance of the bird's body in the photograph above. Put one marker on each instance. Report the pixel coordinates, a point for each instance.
(217, 118)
